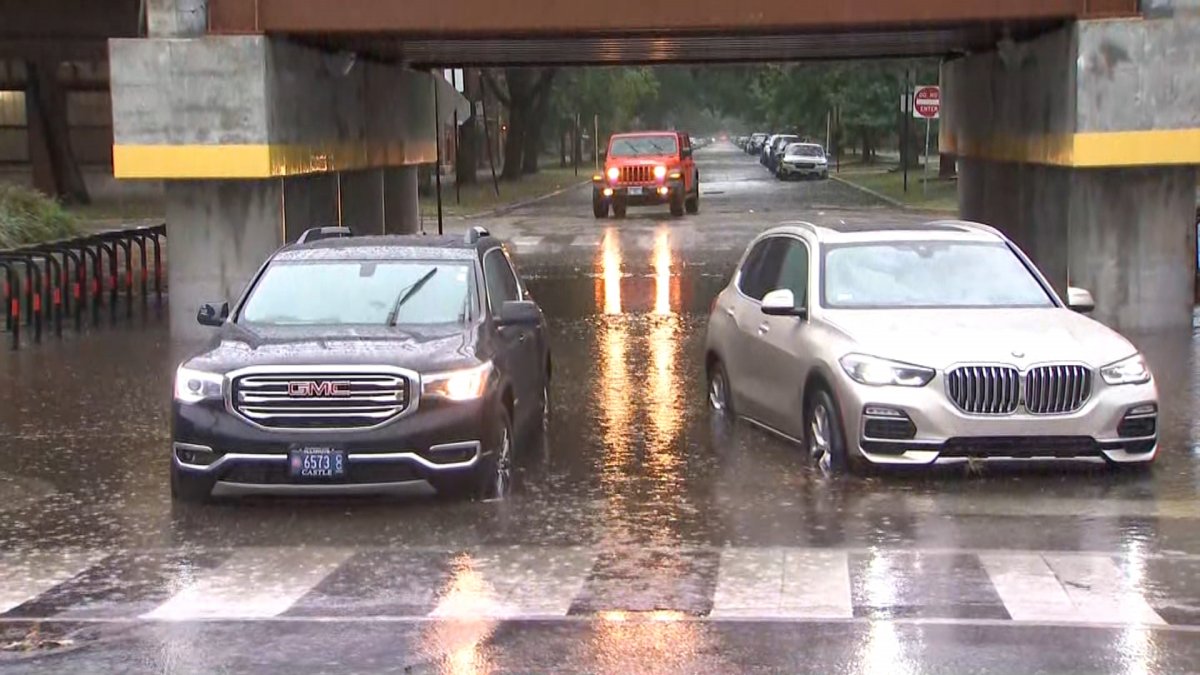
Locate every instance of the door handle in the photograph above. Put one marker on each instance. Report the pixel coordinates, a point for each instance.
(764, 328)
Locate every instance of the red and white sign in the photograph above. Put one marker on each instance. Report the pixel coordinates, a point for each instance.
(927, 102)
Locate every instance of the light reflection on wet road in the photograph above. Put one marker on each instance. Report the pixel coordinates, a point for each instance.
(639, 515)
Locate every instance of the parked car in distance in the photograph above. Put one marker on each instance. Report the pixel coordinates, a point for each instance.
(909, 345)
(754, 145)
(774, 152)
(363, 365)
(645, 169)
(805, 160)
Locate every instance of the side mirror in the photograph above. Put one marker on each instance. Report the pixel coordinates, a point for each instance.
(1080, 300)
(519, 313)
(782, 303)
(212, 314)
(686, 153)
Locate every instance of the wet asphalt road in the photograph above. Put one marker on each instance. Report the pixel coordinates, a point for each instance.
(644, 537)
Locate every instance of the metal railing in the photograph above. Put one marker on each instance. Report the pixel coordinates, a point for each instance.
(73, 280)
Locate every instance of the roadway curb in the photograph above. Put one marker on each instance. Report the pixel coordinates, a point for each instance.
(507, 208)
(877, 195)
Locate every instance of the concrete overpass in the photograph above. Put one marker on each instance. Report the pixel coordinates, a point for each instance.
(1076, 122)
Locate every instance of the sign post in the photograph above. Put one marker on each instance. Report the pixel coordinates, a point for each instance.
(927, 104)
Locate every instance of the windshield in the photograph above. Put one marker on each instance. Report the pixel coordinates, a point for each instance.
(916, 274)
(358, 292)
(805, 150)
(638, 146)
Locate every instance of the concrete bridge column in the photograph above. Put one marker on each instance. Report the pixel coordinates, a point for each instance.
(258, 139)
(1082, 146)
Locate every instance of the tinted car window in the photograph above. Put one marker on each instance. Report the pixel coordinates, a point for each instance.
(793, 271)
(760, 273)
(354, 292)
(500, 279)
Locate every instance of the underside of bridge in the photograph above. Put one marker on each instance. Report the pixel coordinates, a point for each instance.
(1076, 122)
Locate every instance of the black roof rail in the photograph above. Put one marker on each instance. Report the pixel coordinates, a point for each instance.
(318, 233)
(476, 233)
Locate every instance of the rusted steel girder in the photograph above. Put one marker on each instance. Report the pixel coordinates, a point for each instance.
(558, 17)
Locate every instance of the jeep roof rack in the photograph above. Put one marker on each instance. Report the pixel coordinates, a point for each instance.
(476, 233)
(318, 233)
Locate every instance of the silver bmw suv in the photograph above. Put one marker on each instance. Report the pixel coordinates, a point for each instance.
(912, 345)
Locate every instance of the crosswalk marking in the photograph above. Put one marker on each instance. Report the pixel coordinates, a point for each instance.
(514, 581)
(497, 582)
(1029, 588)
(1100, 590)
(252, 583)
(785, 583)
(24, 576)
(526, 242)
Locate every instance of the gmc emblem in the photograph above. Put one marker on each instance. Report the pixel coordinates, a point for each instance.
(311, 389)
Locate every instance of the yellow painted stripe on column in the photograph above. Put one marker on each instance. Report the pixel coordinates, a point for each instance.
(1137, 148)
(1094, 149)
(264, 160)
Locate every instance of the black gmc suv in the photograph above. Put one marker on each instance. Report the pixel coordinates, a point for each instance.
(364, 365)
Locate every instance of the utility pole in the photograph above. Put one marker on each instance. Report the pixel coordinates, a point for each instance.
(906, 93)
(596, 140)
(437, 165)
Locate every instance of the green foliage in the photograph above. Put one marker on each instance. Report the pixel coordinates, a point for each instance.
(28, 217)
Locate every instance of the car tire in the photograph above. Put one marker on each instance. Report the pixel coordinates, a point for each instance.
(190, 488)
(496, 481)
(599, 208)
(824, 439)
(677, 205)
(720, 395)
(618, 208)
(692, 205)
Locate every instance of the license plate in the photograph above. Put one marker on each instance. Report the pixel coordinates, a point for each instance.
(317, 463)
(635, 192)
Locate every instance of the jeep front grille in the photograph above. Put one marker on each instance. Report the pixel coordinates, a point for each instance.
(637, 174)
(321, 399)
(1057, 390)
(984, 390)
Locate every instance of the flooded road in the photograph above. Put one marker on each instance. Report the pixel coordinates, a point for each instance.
(643, 535)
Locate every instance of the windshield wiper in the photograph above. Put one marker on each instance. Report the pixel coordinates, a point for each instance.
(406, 294)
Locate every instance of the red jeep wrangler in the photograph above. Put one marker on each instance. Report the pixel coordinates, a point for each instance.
(652, 167)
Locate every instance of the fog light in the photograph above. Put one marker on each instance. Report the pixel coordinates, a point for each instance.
(663, 190)
(880, 411)
(608, 192)
(197, 455)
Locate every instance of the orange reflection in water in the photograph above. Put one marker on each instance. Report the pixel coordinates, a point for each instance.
(611, 272)
(468, 606)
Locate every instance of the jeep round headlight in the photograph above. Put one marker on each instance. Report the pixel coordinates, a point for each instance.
(613, 173)
(660, 172)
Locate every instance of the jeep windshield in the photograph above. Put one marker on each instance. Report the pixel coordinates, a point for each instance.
(643, 146)
(360, 292)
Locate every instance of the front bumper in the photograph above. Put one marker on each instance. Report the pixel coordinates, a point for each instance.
(629, 193)
(443, 444)
(940, 432)
(803, 170)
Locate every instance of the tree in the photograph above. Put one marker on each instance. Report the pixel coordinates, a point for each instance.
(521, 93)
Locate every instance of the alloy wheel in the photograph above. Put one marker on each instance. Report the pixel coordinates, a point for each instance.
(718, 393)
(502, 480)
(818, 434)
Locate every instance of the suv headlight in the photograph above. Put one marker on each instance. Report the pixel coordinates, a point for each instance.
(877, 372)
(1132, 370)
(458, 385)
(194, 386)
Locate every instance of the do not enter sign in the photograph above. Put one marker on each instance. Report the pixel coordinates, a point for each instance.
(927, 102)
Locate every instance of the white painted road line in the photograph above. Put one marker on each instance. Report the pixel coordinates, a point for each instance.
(252, 583)
(1102, 591)
(24, 576)
(783, 583)
(526, 242)
(1029, 588)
